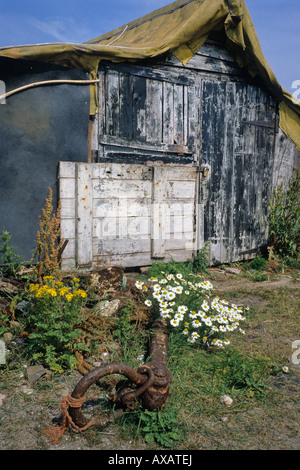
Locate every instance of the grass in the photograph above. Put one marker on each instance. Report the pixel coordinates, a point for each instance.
(245, 372)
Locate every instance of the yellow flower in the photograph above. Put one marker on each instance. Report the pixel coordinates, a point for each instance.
(33, 287)
(80, 293)
(63, 291)
(59, 284)
(69, 297)
(75, 279)
(52, 292)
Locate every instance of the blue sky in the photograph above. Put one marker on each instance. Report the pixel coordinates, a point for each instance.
(277, 24)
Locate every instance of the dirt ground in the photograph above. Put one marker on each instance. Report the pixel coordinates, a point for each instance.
(27, 410)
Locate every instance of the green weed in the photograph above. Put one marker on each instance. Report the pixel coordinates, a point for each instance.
(284, 219)
(155, 427)
(9, 261)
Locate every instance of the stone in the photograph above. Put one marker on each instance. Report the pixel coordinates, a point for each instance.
(104, 356)
(34, 373)
(97, 364)
(2, 398)
(233, 270)
(226, 400)
(8, 337)
(27, 390)
(107, 308)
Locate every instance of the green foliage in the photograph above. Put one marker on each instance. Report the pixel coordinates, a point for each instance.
(10, 261)
(284, 220)
(198, 265)
(4, 323)
(201, 261)
(160, 427)
(159, 269)
(258, 264)
(123, 325)
(157, 426)
(238, 372)
(53, 324)
(290, 262)
(259, 277)
(131, 338)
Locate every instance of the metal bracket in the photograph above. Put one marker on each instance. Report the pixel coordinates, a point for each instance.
(204, 170)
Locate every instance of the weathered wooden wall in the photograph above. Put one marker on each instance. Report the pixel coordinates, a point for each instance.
(126, 214)
(203, 136)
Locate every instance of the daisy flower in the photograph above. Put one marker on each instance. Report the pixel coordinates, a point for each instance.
(164, 310)
(157, 295)
(191, 339)
(182, 309)
(174, 322)
(193, 314)
(177, 290)
(179, 316)
(139, 284)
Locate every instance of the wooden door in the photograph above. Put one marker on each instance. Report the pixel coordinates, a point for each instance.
(237, 142)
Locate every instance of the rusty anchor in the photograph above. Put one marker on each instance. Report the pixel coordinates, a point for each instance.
(149, 385)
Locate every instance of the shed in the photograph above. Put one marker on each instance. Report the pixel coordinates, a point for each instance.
(179, 138)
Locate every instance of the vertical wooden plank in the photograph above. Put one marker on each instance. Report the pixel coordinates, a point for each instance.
(168, 113)
(179, 115)
(112, 104)
(193, 120)
(154, 111)
(158, 222)
(226, 186)
(199, 226)
(126, 106)
(139, 98)
(213, 119)
(66, 177)
(84, 214)
(101, 100)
